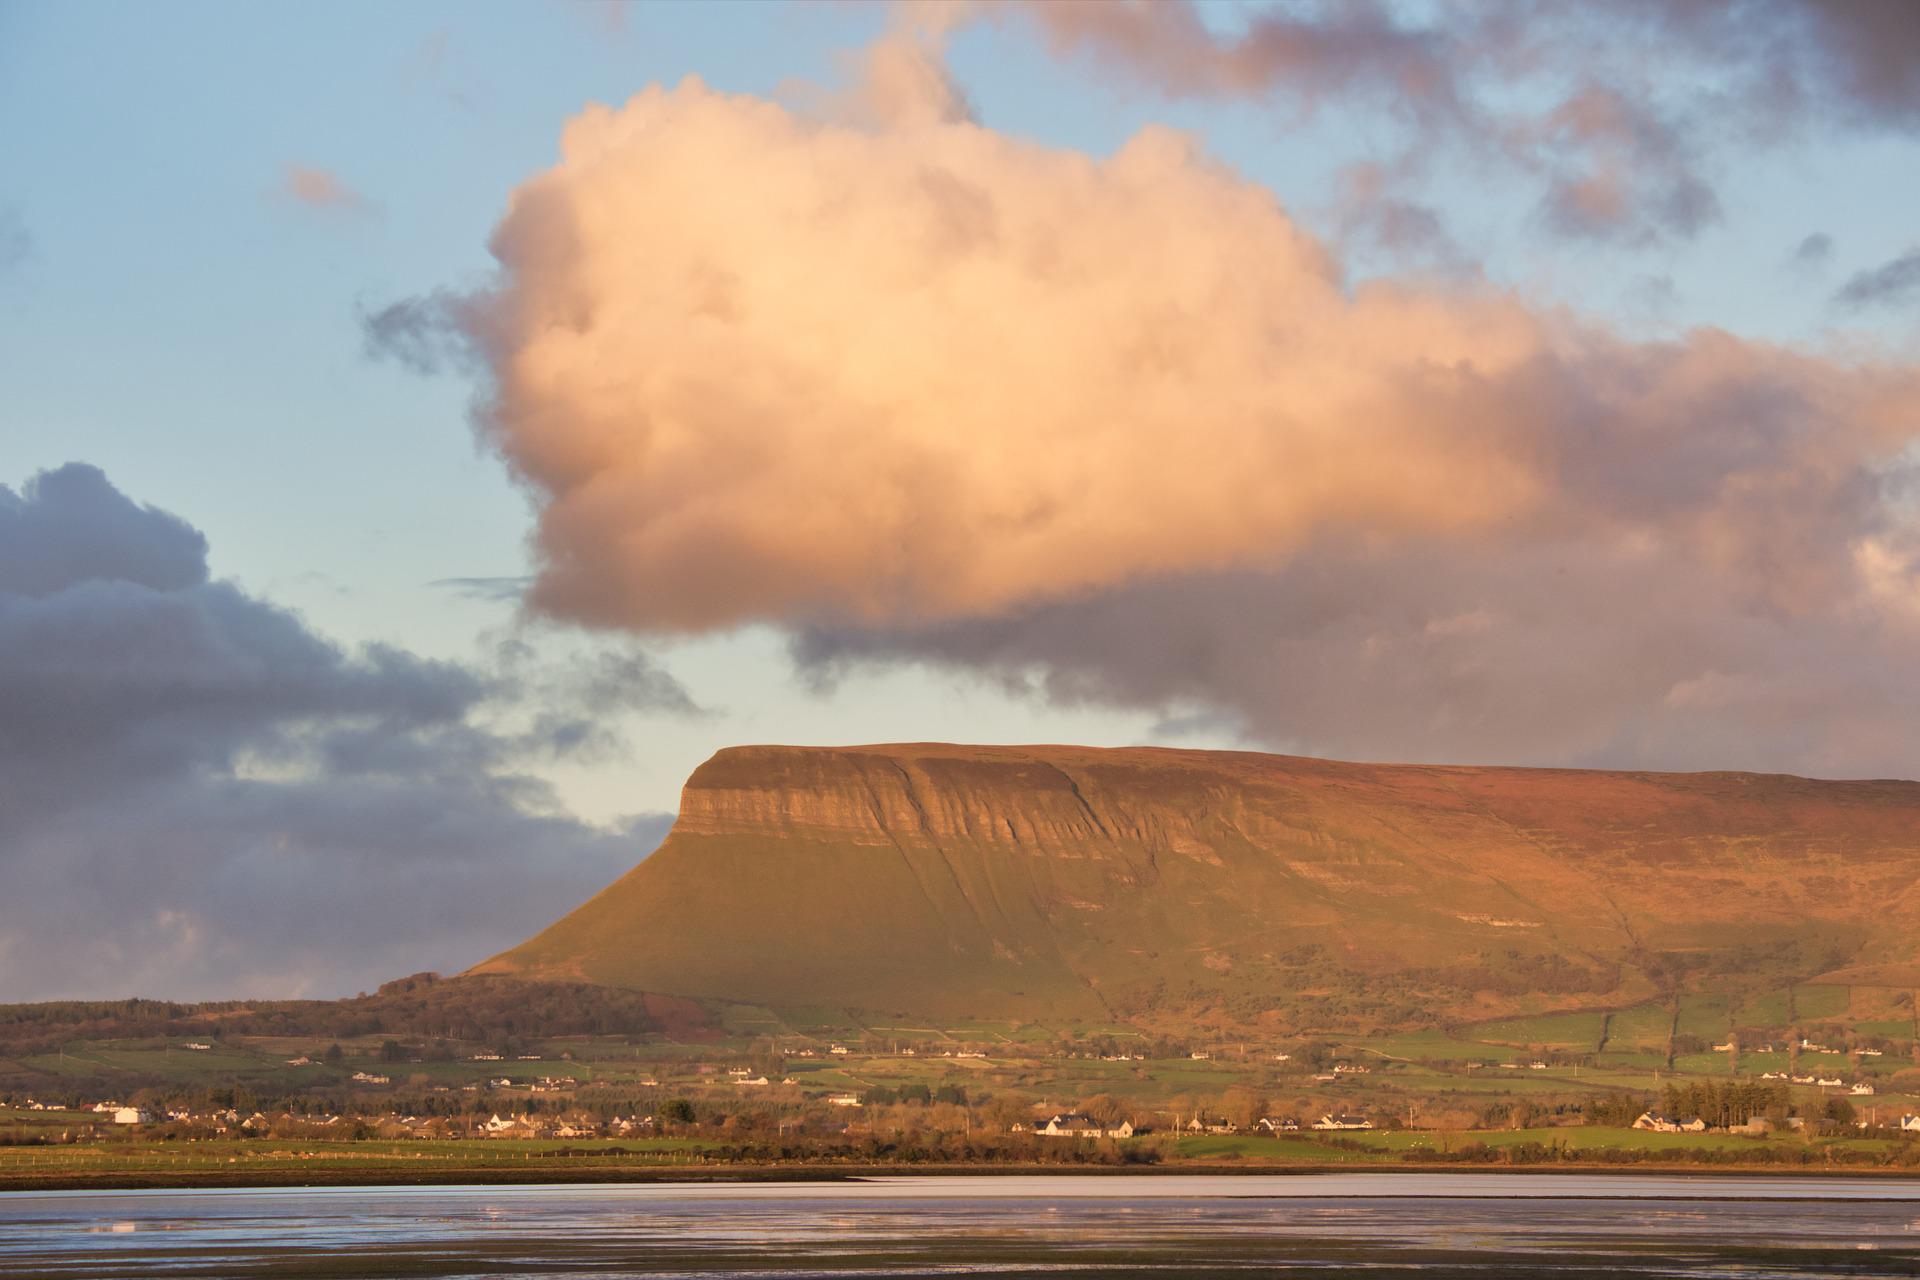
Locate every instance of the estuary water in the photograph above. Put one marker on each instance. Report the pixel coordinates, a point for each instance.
(1322, 1225)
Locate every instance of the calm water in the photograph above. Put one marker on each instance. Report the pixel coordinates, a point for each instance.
(1374, 1225)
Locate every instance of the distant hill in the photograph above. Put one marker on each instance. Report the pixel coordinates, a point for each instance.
(1183, 888)
(424, 1006)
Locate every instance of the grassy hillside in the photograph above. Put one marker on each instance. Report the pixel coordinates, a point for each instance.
(1221, 889)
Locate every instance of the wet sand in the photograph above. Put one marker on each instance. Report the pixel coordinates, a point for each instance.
(1380, 1225)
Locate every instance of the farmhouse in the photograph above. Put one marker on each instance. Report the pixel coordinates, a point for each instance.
(1200, 1124)
(132, 1115)
(1342, 1122)
(519, 1126)
(1656, 1122)
(1069, 1124)
(1267, 1124)
(1910, 1124)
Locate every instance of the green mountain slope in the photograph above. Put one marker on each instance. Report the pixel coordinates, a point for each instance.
(1163, 886)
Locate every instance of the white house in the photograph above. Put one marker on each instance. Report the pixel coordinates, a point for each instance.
(843, 1100)
(132, 1115)
(1070, 1124)
(1655, 1122)
(1860, 1090)
(1342, 1122)
(1910, 1124)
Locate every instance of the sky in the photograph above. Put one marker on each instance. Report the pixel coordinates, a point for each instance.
(427, 432)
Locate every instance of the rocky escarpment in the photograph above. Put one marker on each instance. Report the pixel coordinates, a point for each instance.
(1089, 884)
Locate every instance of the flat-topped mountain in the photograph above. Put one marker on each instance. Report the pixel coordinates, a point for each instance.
(1163, 886)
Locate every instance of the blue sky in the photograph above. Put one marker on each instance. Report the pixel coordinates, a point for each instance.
(174, 315)
(182, 323)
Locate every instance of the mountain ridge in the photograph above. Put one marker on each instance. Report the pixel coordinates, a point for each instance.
(1158, 885)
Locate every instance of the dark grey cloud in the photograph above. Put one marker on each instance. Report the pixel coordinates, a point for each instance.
(1864, 54)
(201, 796)
(1889, 284)
(1549, 655)
(70, 526)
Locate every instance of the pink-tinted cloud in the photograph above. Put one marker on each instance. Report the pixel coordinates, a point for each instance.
(917, 391)
(321, 189)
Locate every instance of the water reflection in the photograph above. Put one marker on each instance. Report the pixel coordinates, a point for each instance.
(1378, 1225)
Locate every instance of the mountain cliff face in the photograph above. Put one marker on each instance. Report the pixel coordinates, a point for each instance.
(1156, 885)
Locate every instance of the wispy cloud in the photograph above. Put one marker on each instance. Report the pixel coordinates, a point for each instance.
(1889, 284)
(321, 189)
(511, 588)
(1814, 250)
(1617, 111)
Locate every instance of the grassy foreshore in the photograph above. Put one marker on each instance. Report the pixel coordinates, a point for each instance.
(273, 1163)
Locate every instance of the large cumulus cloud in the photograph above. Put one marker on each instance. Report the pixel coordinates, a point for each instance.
(1119, 429)
(201, 796)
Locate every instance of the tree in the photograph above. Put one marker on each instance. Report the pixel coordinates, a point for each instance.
(334, 1055)
(676, 1111)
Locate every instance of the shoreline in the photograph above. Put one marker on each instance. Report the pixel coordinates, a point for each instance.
(267, 1179)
